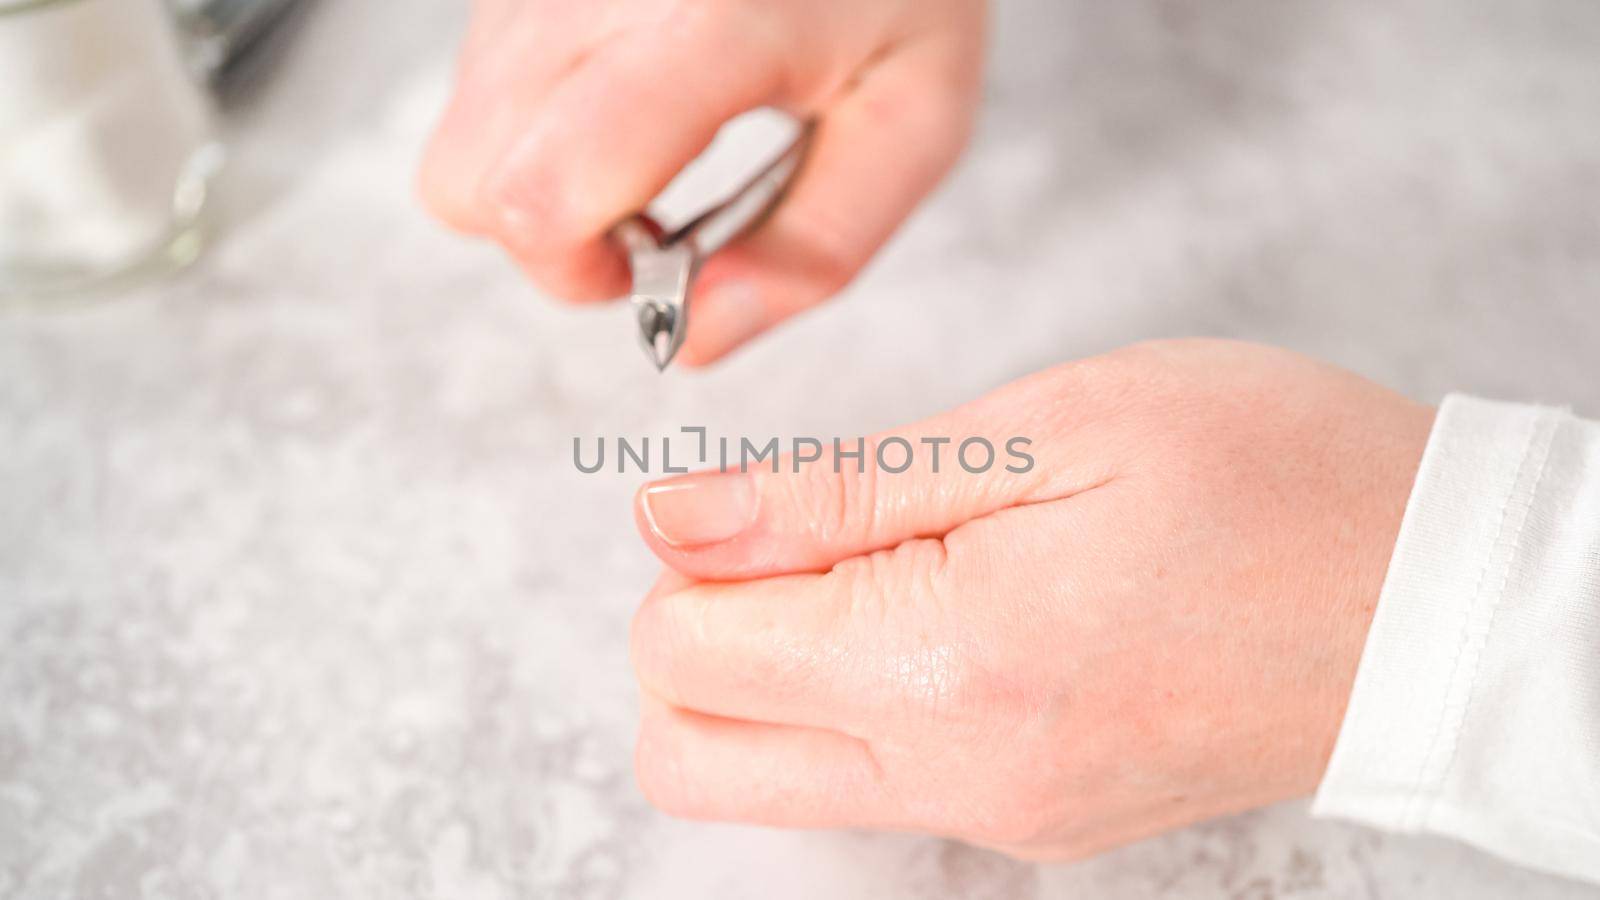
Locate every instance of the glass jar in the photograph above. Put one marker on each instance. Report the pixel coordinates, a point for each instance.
(106, 145)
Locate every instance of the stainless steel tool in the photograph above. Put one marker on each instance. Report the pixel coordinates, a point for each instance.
(664, 264)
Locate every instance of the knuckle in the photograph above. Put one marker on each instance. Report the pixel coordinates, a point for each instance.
(868, 590)
(659, 642)
(753, 30)
(1022, 818)
(930, 675)
(836, 506)
(644, 648)
(938, 123)
(659, 774)
(714, 22)
(918, 571)
(975, 697)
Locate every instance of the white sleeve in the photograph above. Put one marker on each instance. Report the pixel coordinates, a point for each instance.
(1476, 708)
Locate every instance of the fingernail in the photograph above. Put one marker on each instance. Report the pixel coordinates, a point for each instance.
(520, 191)
(697, 510)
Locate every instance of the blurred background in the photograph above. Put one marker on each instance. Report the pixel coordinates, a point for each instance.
(302, 596)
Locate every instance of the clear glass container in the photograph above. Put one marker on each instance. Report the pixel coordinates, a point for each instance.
(107, 146)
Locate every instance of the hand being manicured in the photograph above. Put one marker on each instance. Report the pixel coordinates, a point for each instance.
(1157, 623)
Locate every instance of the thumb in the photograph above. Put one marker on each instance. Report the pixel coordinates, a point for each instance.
(829, 500)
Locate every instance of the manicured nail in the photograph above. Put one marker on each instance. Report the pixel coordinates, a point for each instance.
(702, 509)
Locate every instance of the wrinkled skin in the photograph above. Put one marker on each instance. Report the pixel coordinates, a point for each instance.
(569, 116)
(1159, 623)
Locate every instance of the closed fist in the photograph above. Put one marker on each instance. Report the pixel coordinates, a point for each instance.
(1158, 622)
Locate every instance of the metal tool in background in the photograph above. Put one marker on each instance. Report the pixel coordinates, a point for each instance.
(232, 42)
(664, 263)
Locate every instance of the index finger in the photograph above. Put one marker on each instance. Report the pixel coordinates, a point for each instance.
(614, 132)
(825, 651)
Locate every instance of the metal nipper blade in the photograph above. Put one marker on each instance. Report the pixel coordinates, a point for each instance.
(664, 263)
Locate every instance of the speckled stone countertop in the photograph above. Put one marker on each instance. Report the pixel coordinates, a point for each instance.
(301, 595)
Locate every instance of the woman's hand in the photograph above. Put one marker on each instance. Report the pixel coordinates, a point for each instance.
(1158, 623)
(568, 116)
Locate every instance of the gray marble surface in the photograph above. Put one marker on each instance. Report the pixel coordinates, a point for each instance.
(301, 596)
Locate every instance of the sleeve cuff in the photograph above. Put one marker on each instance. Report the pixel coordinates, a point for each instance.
(1480, 651)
